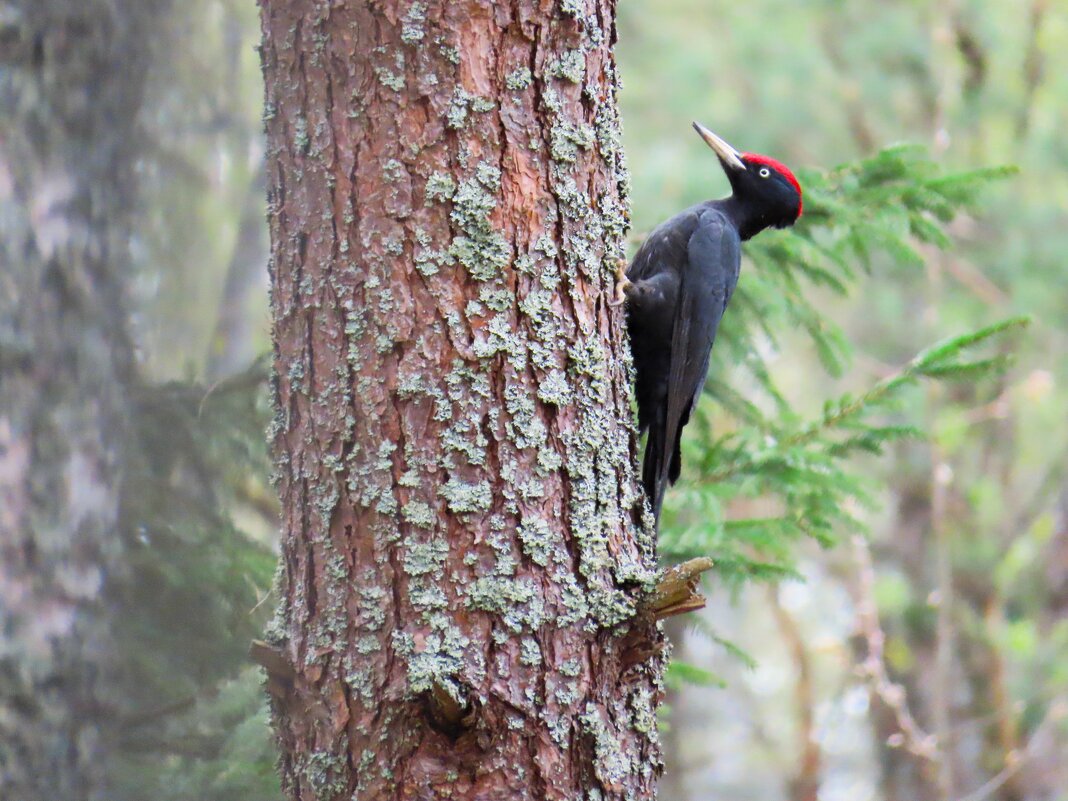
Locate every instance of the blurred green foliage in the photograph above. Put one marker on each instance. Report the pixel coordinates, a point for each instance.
(977, 83)
(193, 595)
(878, 207)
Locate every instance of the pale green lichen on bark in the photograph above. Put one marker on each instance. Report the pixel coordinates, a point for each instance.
(643, 712)
(414, 24)
(392, 78)
(516, 601)
(497, 299)
(370, 609)
(519, 79)
(500, 541)
(468, 391)
(418, 514)
(325, 773)
(426, 596)
(480, 248)
(438, 661)
(500, 337)
(525, 428)
(566, 139)
(569, 65)
(540, 541)
(331, 624)
(456, 117)
(572, 8)
(367, 644)
(449, 52)
(301, 140)
(566, 694)
(422, 558)
(410, 384)
(529, 653)
(554, 389)
(461, 496)
(439, 187)
(611, 763)
(358, 675)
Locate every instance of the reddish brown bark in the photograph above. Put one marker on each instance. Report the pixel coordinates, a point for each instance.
(463, 548)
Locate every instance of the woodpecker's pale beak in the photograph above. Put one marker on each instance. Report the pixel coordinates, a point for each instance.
(727, 154)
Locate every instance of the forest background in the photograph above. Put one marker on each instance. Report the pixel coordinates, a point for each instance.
(915, 645)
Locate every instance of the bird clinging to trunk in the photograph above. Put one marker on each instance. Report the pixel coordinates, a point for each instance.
(677, 288)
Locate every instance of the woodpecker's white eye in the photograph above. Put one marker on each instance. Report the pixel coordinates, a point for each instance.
(764, 172)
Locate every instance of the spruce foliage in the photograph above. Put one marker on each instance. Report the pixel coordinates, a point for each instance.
(193, 723)
(752, 441)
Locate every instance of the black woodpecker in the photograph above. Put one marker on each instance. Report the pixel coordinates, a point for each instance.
(676, 290)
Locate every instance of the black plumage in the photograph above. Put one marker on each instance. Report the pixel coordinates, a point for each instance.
(676, 290)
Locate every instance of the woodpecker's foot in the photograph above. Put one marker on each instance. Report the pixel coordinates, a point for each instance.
(622, 284)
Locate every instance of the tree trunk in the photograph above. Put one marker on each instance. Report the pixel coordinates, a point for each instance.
(464, 550)
(71, 79)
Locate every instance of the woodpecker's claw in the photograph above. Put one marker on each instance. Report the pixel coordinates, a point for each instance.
(622, 284)
(621, 293)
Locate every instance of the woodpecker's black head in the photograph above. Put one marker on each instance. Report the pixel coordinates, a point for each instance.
(766, 193)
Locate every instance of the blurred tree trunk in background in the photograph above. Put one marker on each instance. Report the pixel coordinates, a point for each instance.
(72, 83)
(231, 348)
(462, 545)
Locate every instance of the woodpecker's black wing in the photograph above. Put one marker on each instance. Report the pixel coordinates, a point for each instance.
(706, 281)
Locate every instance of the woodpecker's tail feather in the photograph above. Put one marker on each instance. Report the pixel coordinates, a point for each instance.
(658, 463)
(651, 471)
(661, 467)
(676, 458)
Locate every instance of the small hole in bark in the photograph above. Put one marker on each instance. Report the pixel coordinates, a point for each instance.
(446, 714)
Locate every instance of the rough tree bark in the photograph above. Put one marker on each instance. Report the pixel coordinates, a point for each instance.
(71, 81)
(464, 552)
